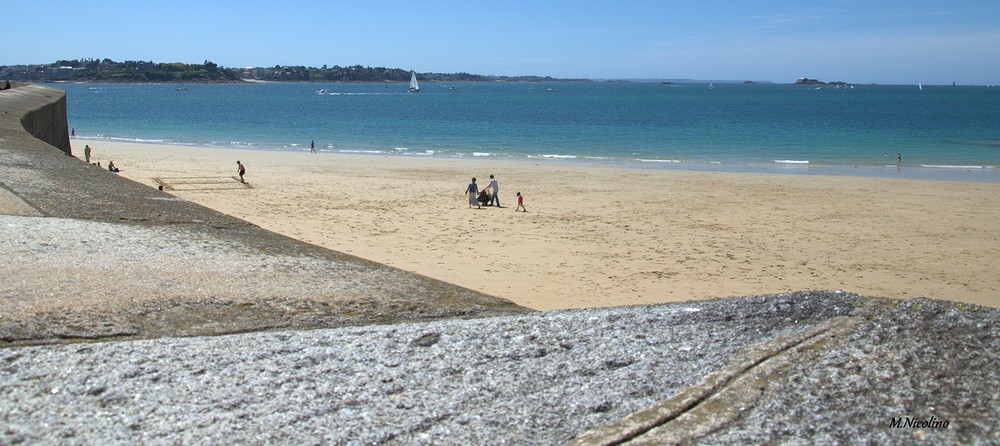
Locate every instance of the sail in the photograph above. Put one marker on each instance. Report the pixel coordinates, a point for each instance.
(414, 87)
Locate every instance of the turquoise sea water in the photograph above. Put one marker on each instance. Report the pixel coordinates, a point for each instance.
(941, 131)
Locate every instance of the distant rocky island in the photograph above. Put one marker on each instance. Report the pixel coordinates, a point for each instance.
(107, 70)
(695, 81)
(807, 81)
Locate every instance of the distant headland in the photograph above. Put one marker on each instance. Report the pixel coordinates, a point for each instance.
(107, 70)
(807, 81)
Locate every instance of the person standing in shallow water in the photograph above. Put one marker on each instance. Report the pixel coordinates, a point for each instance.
(241, 169)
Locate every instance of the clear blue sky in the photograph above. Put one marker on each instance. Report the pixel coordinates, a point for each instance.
(887, 42)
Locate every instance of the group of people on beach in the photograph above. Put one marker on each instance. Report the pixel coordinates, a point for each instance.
(489, 195)
(86, 156)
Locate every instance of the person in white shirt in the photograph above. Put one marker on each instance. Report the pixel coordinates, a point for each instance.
(496, 188)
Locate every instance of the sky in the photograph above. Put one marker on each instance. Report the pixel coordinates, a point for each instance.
(864, 41)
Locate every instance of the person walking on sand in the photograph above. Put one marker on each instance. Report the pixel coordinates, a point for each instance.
(520, 203)
(496, 188)
(473, 192)
(312, 146)
(241, 169)
(86, 153)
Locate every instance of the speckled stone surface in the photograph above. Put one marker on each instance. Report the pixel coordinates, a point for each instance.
(540, 378)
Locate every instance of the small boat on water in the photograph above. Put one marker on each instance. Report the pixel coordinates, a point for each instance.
(414, 86)
(322, 91)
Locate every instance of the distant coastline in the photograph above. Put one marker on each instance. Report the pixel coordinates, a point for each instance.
(109, 71)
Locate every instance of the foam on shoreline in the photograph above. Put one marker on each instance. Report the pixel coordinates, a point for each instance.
(972, 173)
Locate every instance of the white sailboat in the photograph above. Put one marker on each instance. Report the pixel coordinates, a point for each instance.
(414, 87)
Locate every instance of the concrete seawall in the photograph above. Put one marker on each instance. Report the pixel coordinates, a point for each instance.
(47, 122)
(95, 255)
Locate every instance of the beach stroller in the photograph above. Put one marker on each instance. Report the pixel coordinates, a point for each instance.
(484, 198)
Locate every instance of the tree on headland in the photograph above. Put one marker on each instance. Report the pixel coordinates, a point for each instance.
(107, 70)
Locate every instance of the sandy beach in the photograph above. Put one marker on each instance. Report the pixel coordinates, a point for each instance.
(599, 235)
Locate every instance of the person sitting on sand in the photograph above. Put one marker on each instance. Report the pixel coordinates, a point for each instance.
(112, 167)
(241, 169)
(520, 203)
(6, 86)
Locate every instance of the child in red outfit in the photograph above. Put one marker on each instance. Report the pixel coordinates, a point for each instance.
(520, 203)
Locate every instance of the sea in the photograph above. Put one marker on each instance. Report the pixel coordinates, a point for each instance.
(923, 132)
